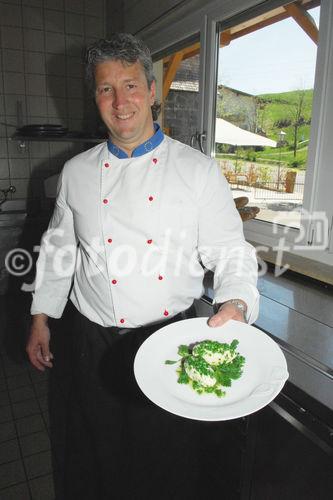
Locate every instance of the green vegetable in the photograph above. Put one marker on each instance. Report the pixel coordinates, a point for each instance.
(234, 344)
(183, 378)
(200, 365)
(183, 351)
(208, 366)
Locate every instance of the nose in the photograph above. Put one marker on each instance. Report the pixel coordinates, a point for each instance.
(119, 98)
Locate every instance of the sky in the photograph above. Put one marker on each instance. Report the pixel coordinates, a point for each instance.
(278, 58)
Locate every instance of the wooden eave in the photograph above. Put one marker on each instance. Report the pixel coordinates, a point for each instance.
(297, 10)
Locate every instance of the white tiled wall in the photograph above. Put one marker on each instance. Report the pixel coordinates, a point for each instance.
(41, 81)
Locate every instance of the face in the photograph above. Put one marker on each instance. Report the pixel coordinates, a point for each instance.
(124, 102)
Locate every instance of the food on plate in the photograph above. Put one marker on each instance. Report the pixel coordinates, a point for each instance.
(209, 365)
(200, 371)
(214, 352)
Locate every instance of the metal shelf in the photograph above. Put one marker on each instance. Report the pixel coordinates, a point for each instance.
(63, 138)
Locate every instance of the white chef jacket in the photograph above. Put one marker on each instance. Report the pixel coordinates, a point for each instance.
(133, 233)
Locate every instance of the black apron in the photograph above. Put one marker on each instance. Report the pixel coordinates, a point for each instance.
(119, 444)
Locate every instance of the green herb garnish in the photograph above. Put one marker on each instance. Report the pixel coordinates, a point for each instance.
(208, 366)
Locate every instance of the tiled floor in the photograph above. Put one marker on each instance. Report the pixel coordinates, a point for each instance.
(28, 427)
(25, 454)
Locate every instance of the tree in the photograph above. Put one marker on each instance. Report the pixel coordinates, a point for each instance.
(261, 112)
(296, 115)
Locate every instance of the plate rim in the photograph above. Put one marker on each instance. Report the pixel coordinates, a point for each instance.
(259, 401)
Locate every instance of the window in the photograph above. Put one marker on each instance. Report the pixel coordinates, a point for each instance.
(264, 106)
(307, 228)
(306, 231)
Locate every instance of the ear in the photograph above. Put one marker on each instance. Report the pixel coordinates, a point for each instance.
(152, 92)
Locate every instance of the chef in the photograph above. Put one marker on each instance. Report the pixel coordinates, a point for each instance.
(137, 220)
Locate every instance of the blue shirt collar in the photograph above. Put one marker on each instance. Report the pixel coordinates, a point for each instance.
(142, 149)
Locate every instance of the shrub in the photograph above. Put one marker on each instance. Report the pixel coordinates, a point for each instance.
(264, 174)
(250, 156)
(282, 123)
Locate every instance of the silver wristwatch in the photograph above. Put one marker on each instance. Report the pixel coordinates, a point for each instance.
(242, 307)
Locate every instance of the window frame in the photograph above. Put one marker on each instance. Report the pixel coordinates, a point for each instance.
(316, 189)
(193, 17)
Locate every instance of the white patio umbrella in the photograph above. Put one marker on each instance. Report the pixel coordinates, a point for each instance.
(227, 133)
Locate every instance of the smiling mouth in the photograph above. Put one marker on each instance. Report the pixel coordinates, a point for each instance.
(125, 117)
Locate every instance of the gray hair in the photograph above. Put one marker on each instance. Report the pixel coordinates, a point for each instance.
(122, 47)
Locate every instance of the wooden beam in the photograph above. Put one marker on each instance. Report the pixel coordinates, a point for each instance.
(259, 25)
(190, 51)
(294, 10)
(225, 38)
(267, 22)
(171, 72)
(303, 18)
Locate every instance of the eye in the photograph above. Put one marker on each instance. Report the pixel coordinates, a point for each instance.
(131, 86)
(104, 90)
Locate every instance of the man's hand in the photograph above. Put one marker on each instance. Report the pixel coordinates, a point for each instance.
(38, 345)
(227, 311)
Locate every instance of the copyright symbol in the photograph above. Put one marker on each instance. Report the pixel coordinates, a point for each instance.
(18, 262)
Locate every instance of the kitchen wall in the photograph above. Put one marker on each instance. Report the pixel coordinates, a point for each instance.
(41, 81)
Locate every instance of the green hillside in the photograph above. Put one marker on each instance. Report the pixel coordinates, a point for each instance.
(276, 112)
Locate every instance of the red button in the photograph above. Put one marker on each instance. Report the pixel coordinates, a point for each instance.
(105, 201)
(109, 240)
(160, 277)
(114, 282)
(150, 198)
(155, 160)
(166, 313)
(106, 165)
(149, 242)
(122, 320)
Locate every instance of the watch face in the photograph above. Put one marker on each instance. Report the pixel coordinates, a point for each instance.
(238, 304)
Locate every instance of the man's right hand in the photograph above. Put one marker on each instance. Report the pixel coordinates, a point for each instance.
(38, 345)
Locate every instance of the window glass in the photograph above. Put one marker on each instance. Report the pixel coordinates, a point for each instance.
(264, 107)
(180, 93)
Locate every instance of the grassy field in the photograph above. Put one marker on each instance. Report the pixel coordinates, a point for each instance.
(270, 156)
(279, 107)
(285, 156)
(275, 113)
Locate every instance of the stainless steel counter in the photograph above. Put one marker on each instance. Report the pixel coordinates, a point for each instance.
(301, 294)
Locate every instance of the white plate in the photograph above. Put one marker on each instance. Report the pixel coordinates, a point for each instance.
(264, 373)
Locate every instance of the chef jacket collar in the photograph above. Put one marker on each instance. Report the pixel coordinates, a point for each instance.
(142, 149)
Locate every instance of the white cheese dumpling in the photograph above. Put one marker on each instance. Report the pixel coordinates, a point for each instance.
(214, 353)
(199, 371)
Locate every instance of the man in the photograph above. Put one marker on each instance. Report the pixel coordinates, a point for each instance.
(134, 219)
